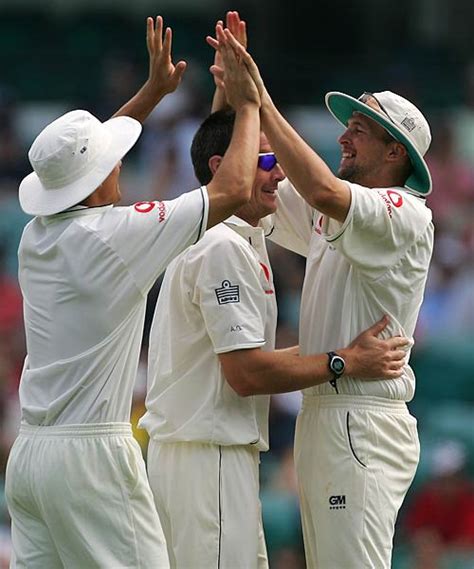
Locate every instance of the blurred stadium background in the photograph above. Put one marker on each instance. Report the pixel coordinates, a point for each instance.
(61, 54)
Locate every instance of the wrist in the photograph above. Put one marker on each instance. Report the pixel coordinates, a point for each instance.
(336, 365)
(247, 106)
(152, 90)
(267, 103)
(347, 355)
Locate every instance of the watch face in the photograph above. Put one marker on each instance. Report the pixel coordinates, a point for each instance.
(337, 364)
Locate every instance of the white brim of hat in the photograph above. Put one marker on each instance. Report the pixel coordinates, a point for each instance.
(35, 199)
(342, 107)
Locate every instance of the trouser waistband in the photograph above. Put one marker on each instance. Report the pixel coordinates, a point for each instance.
(77, 431)
(360, 402)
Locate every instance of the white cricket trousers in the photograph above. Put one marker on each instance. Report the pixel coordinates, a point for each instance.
(79, 498)
(356, 457)
(207, 497)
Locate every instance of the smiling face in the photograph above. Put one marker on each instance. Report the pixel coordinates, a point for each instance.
(264, 191)
(365, 146)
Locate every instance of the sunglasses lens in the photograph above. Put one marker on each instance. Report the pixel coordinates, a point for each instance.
(267, 162)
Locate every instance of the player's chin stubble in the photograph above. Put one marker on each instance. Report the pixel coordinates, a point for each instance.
(348, 174)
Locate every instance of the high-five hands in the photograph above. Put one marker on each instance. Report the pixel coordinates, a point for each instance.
(238, 44)
(238, 28)
(233, 76)
(164, 76)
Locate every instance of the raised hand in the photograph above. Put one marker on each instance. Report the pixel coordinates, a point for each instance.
(377, 358)
(163, 74)
(237, 27)
(242, 55)
(233, 76)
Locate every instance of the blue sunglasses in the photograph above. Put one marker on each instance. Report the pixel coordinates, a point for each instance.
(267, 161)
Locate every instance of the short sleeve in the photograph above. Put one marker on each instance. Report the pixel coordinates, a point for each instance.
(229, 292)
(291, 225)
(149, 235)
(382, 224)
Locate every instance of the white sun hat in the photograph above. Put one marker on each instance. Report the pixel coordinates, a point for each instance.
(401, 119)
(71, 157)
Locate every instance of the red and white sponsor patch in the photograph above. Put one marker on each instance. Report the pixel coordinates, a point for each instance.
(392, 198)
(395, 198)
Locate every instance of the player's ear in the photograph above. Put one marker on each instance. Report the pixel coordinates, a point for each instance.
(396, 151)
(214, 163)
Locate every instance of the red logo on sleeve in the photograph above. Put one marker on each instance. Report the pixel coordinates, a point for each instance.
(266, 272)
(144, 207)
(161, 211)
(395, 198)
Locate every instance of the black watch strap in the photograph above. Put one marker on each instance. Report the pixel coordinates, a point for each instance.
(336, 364)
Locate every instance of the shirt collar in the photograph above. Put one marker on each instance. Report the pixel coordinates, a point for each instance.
(242, 227)
(78, 211)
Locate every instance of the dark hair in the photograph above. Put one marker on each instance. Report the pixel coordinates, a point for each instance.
(212, 138)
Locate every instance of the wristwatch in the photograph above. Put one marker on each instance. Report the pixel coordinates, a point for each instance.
(336, 364)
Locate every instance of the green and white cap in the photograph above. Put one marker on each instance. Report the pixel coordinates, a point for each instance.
(401, 119)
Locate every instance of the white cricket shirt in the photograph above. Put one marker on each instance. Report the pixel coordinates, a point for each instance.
(216, 297)
(374, 263)
(85, 274)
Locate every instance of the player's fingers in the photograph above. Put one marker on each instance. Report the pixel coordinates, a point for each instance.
(179, 70)
(149, 35)
(220, 35)
(379, 326)
(228, 54)
(229, 20)
(217, 72)
(159, 33)
(218, 81)
(398, 342)
(166, 50)
(234, 18)
(396, 365)
(395, 373)
(231, 38)
(212, 42)
(244, 55)
(242, 33)
(233, 22)
(398, 355)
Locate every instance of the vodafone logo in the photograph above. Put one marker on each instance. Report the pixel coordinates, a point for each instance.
(144, 207)
(266, 272)
(395, 198)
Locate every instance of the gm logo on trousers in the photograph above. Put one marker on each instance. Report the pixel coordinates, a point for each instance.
(337, 502)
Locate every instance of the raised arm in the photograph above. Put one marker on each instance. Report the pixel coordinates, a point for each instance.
(309, 174)
(163, 76)
(232, 183)
(255, 372)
